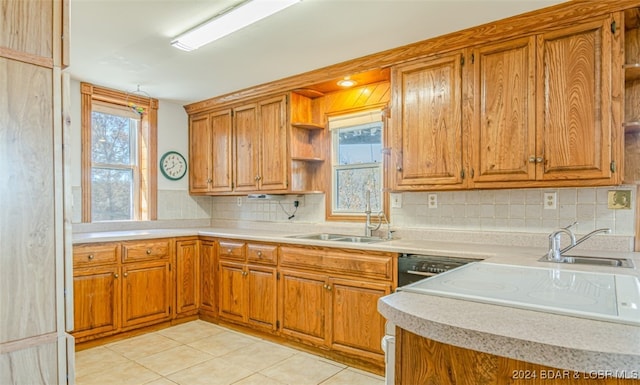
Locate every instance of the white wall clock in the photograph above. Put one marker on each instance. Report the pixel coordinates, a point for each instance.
(173, 165)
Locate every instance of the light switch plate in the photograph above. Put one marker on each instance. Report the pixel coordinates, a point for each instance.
(396, 200)
(619, 199)
(239, 201)
(550, 200)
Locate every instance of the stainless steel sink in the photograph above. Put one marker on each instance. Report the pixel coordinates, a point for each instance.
(595, 261)
(338, 238)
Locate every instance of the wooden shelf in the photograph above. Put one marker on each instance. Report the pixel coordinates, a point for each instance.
(631, 127)
(308, 126)
(631, 72)
(306, 159)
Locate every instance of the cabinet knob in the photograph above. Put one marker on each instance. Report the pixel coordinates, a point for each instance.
(209, 180)
(229, 251)
(259, 254)
(125, 274)
(90, 257)
(399, 168)
(539, 159)
(148, 251)
(115, 275)
(532, 159)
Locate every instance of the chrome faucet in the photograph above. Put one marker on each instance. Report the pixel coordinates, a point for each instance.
(555, 253)
(368, 227)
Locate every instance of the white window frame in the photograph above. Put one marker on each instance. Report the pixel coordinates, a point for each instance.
(339, 124)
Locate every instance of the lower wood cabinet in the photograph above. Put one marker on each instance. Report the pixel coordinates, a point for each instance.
(304, 306)
(248, 291)
(188, 277)
(146, 293)
(356, 326)
(327, 300)
(120, 286)
(96, 300)
(208, 267)
(324, 297)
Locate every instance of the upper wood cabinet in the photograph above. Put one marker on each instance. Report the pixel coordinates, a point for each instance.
(503, 132)
(533, 112)
(427, 124)
(261, 145)
(240, 149)
(576, 67)
(210, 152)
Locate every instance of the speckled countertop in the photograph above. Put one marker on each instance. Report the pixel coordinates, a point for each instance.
(543, 338)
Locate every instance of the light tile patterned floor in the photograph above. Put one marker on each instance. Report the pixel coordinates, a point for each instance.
(201, 353)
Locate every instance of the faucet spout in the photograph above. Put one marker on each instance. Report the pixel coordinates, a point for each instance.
(605, 230)
(368, 227)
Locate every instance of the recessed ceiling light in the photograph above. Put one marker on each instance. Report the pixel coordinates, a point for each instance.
(347, 82)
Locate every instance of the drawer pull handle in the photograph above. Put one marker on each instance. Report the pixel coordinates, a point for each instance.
(148, 251)
(90, 256)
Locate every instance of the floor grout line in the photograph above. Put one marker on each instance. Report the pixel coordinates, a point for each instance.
(276, 367)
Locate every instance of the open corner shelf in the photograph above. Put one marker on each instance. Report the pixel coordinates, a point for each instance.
(307, 159)
(307, 126)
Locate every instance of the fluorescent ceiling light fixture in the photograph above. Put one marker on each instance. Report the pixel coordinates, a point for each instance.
(237, 18)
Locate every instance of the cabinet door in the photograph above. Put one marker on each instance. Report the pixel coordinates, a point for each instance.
(247, 148)
(427, 123)
(574, 137)
(146, 294)
(96, 301)
(187, 277)
(357, 326)
(208, 265)
(29, 248)
(231, 291)
(304, 307)
(200, 153)
(261, 297)
(221, 151)
(274, 151)
(503, 130)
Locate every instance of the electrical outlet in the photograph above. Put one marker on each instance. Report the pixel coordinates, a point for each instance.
(396, 200)
(550, 200)
(432, 200)
(239, 201)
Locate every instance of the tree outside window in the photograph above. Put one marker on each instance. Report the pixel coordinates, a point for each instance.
(119, 155)
(356, 163)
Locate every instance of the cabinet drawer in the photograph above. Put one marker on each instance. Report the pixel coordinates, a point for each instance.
(95, 254)
(262, 253)
(358, 263)
(231, 250)
(144, 251)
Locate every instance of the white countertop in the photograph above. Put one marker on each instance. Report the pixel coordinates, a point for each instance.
(554, 340)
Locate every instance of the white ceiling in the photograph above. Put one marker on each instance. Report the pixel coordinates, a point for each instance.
(125, 43)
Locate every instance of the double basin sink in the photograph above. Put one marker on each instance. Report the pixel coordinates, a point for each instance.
(338, 238)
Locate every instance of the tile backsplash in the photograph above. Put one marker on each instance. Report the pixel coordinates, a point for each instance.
(516, 210)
